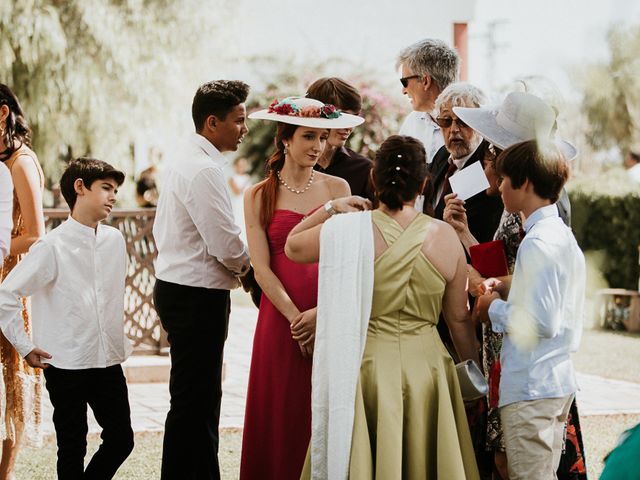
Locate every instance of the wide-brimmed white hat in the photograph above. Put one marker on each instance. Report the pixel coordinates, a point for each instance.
(520, 118)
(307, 112)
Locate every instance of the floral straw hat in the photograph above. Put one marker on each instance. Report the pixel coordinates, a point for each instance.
(521, 117)
(307, 112)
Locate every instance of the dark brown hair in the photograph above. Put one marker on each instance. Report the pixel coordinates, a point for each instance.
(16, 127)
(337, 92)
(543, 165)
(89, 170)
(399, 170)
(217, 98)
(269, 187)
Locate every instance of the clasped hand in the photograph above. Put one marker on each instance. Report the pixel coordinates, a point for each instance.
(489, 291)
(303, 331)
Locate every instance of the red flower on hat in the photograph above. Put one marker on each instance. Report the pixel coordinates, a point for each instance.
(284, 109)
(329, 111)
(273, 105)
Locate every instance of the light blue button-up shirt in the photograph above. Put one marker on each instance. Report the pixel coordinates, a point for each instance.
(542, 317)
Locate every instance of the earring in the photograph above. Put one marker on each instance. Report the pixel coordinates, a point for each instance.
(285, 149)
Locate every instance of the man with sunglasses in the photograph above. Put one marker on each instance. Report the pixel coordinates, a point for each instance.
(426, 68)
(463, 146)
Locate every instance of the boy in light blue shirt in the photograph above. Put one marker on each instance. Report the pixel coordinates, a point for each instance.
(541, 317)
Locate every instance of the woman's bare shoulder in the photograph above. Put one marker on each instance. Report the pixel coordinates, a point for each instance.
(336, 185)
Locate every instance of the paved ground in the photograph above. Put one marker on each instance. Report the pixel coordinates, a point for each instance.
(150, 401)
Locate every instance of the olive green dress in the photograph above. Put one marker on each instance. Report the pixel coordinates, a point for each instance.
(410, 421)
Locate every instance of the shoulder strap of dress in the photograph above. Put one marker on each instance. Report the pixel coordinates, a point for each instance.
(407, 243)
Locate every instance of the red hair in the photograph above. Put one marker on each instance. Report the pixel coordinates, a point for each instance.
(269, 187)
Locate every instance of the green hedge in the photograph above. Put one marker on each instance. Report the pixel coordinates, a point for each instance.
(606, 217)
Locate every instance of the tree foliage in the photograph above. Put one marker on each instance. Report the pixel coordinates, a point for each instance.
(91, 73)
(605, 216)
(612, 92)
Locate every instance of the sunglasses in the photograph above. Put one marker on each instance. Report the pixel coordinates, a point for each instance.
(405, 80)
(446, 122)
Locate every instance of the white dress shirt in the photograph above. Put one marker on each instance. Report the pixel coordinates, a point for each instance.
(75, 276)
(542, 317)
(634, 172)
(6, 210)
(198, 241)
(420, 125)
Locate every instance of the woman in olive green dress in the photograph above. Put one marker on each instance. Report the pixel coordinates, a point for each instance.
(408, 417)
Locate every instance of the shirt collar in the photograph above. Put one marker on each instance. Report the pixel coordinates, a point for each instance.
(81, 229)
(547, 211)
(426, 117)
(209, 148)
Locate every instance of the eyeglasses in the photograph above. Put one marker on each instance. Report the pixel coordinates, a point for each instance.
(405, 80)
(446, 122)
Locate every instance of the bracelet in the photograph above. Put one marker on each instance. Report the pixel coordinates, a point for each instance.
(328, 207)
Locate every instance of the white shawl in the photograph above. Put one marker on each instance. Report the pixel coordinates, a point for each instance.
(345, 290)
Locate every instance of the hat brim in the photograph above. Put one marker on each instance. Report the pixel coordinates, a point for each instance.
(345, 120)
(483, 121)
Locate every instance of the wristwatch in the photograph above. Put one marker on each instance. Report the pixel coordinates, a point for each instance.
(328, 207)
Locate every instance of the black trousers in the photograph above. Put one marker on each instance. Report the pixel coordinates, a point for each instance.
(196, 321)
(105, 391)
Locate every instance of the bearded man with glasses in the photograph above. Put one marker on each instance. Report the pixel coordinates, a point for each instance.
(462, 147)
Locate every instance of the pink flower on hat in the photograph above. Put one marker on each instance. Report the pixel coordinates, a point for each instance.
(310, 111)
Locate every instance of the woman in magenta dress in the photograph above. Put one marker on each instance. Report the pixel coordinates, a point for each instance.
(277, 424)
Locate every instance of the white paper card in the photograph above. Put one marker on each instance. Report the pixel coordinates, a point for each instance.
(469, 181)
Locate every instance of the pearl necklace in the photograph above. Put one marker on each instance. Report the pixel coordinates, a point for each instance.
(293, 190)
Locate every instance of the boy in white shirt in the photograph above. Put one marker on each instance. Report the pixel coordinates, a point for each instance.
(542, 316)
(75, 276)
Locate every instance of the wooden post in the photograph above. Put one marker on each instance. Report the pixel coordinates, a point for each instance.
(460, 42)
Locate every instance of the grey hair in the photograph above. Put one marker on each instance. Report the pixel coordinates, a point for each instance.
(461, 94)
(431, 57)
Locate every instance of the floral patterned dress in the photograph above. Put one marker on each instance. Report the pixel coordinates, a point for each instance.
(20, 385)
(508, 231)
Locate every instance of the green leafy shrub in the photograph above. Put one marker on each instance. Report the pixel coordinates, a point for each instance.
(606, 217)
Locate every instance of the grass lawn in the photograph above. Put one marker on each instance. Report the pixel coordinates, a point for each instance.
(600, 435)
(142, 464)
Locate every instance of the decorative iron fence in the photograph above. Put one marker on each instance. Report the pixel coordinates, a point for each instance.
(142, 325)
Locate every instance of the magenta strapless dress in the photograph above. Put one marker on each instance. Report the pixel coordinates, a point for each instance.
(277, 422)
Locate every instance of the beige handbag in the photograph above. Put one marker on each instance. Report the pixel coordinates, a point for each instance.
(473, 385)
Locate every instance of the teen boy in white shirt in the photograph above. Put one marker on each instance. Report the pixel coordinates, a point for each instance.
(542, 317)
(200, 257)
(75, 276)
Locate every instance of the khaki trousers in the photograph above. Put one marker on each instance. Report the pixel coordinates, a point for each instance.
(534, 437)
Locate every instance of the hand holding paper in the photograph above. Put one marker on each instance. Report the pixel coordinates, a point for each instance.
(469, 181)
